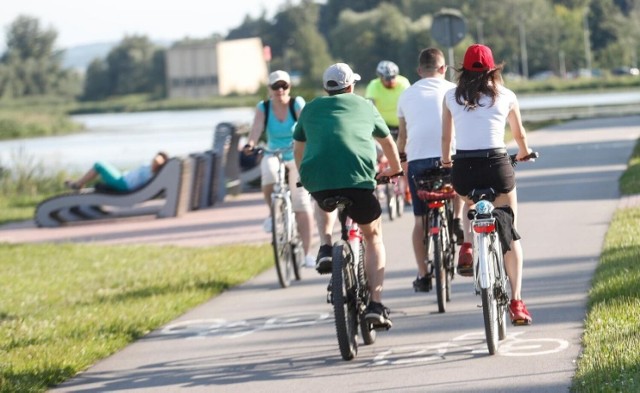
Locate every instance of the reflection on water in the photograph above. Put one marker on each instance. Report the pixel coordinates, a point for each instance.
(125, 139)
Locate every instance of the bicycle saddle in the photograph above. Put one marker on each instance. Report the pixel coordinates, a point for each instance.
(333, 202)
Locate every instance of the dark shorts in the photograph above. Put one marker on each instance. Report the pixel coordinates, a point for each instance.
(365, 208)
(418, 168)
(494, 171)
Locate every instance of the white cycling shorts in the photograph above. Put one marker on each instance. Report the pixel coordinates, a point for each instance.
(299, 195)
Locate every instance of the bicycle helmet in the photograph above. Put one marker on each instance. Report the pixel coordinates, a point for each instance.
(387, 69)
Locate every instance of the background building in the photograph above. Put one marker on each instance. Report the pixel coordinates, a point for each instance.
(206, 69)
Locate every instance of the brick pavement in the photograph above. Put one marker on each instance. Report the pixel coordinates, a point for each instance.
(236, 220)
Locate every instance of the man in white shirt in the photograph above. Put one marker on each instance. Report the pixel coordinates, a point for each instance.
(419, 144)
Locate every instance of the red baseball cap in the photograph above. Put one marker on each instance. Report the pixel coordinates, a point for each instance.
(478, 58)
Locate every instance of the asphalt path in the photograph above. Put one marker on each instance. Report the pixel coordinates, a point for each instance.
(258, 337)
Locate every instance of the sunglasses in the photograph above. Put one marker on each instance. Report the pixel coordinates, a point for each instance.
(277, 86)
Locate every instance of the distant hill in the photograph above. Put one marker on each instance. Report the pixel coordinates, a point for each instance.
(79, 57)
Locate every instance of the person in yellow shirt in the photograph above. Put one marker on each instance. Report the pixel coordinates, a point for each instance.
(384, 92)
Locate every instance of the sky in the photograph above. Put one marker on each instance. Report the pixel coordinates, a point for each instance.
(80, 22)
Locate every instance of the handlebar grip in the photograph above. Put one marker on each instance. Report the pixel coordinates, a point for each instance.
(387, 179)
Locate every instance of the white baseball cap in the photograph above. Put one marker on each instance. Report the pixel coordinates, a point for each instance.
(338, 76)
(279, 75)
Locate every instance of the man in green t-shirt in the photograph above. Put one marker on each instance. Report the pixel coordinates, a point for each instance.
(335, 151)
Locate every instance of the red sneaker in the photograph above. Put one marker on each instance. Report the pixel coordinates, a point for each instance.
(519, 313)
(465, 260)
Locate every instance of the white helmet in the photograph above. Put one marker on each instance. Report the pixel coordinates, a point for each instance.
(387, 69)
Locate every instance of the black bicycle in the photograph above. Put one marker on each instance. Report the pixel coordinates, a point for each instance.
(348, 288)
(435, 190)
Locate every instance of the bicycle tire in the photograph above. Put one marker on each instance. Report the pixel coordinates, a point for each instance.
(366, 329)
(440, 272)
(280, 242)
(297, 252)
(344, 302)
(399, 204)
(391, 201)
(490, 314)
(450, 247)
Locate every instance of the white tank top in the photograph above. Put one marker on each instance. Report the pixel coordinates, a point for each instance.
(483, 127)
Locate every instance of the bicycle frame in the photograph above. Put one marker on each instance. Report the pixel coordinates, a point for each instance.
(288, 251)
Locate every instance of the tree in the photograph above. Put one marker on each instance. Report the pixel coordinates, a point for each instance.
(31, 66)
(363, 39)
(130, 65)
(96, 83)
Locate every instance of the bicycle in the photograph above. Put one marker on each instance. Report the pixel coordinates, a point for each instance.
(435, 190)
(394, 199)
(287, 243)
(348, 289)
(489, 274)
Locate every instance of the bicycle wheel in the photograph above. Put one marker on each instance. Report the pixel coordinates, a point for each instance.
(448, 249)
(440, 272)
(343, 292)
(490, 314)
(280, 242)
(391, 200)
(399, 202)
(297, 253)
(367, 330)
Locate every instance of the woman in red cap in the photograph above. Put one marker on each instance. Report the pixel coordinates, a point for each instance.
(480, 107)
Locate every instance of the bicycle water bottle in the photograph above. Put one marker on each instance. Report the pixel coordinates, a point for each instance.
(354, 241)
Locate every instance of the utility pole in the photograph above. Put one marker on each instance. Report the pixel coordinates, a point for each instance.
(587, 40)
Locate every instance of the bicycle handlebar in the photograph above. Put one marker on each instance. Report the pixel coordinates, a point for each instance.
(530, 157)
(387, 179)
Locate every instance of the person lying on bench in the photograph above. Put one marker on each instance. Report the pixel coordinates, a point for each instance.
(112, 179)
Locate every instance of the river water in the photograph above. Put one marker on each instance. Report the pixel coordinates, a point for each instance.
(130, 139)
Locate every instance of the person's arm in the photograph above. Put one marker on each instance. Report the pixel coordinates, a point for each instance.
(518, 132)
(402, 142)
(256, 130)
(390, 151)
(447, 136)
(298, 152)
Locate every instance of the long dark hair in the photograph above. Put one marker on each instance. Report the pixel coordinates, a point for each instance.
(472, 85)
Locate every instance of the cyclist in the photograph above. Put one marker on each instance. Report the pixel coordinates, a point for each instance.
(479, 107)
(384, 91)
(419, 143)
(335, 151)
(279, 128)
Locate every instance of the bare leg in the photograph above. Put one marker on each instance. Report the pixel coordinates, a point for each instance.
(417, 238)
(375, 258)
(304, 228)
(325, 222)
(86, 178)
(267, 189)
(514, 258)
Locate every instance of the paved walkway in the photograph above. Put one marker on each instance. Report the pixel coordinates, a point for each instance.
(237, 219)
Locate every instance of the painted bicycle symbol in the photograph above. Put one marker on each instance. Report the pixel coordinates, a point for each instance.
(471, 343)
(200, 328)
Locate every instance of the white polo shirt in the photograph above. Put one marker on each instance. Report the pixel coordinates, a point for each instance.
(483, 127)
(421, 107)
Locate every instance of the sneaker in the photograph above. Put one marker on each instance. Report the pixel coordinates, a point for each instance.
(465, 260)
(309, 261)
(377, 315)
(458, 230)
(422, 284)
(519, 313)
(323, 261)
(267, 225)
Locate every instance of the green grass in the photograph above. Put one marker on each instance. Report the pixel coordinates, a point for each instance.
(65, 307)
(610, 361)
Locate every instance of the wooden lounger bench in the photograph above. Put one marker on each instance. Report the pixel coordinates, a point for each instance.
(166, 195)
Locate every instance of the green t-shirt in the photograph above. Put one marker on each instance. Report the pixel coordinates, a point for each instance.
(340, 151)
(386, 100)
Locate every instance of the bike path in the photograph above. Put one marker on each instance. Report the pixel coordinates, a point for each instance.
(258, 337)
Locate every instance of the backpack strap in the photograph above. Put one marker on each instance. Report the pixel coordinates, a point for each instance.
(265, 104)
(292, 110)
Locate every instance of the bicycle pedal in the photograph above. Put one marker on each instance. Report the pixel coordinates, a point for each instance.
(521, 322)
